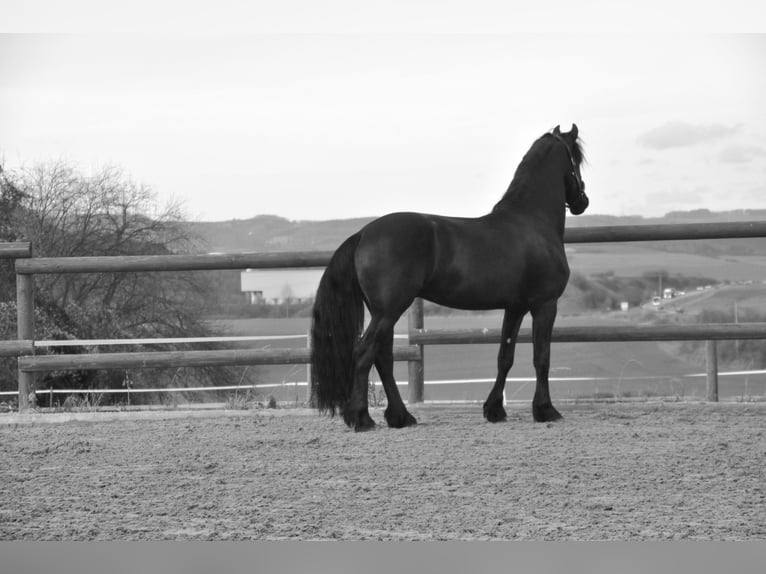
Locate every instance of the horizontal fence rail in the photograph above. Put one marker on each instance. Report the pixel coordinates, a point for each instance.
(167, 359)
(15, 250)
(579, 334)
(665, 232)
(138, 263)
(302, 259)
(29, 347)
(30, 364)
(17, 348)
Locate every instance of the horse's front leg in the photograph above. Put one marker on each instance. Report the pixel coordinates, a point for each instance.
(494, 411)
(543, 317)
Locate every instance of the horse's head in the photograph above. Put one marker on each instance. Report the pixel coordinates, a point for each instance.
(576, 200)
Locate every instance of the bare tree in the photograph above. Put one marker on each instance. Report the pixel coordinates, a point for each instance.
(68, 214)
(65, 213)
(11, 198)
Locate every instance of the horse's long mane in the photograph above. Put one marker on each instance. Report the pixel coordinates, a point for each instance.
(519, 185)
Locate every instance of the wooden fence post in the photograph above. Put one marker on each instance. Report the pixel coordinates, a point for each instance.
(712, 371)
(25, 327)
(415, 368)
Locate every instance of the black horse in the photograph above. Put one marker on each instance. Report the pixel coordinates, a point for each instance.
(511, 259)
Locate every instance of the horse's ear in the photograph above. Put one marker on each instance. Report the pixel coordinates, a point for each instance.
(557, 130)
(573, 132)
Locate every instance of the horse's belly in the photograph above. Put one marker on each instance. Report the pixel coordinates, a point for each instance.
(473, 291)
(497, 285)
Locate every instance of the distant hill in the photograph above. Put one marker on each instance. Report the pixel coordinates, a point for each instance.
(274, 233)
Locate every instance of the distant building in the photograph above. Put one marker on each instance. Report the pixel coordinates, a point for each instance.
(274, 286)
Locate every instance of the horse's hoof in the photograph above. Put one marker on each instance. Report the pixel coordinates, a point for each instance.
(545, 413)
(494, 413)
(364, 423)
(399, 419)
(364, 428)
(358, 420)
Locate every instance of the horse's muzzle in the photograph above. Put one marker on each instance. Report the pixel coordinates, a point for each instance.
(580, 204)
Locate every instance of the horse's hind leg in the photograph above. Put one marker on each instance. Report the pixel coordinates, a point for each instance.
(377, 336)
(397, 415)
(356, 412)
(543, 317)
(493, 406)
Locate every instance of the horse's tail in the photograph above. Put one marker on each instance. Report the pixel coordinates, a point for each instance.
(338, 319)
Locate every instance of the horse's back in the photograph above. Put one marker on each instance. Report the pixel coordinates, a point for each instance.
(404, 238)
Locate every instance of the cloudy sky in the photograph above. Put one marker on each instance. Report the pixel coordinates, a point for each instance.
(311, 125)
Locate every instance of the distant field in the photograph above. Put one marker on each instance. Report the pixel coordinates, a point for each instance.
(635, 260)
(618, 369)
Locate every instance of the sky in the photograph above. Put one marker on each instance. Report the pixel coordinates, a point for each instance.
(310, 122)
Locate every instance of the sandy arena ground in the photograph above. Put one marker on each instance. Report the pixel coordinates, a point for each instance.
(639, 471)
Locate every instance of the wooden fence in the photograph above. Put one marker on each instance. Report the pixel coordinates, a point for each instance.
(419, 336)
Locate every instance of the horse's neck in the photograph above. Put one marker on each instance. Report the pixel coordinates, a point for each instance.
(541, 201)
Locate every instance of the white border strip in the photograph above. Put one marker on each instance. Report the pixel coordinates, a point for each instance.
(377, 383)
(731, 373)
(166, 341)
(171, 340)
